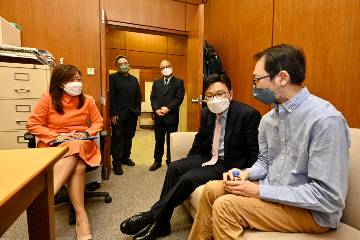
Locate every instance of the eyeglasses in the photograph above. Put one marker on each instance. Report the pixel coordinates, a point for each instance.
(218, 95)
(162, 68)
(255, 79)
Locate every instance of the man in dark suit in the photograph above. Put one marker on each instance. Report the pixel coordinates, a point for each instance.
(166, 97)
(227, 138)
(125, 107)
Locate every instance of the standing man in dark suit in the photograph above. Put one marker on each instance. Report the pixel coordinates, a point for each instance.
(166, 97)
(125, 107)
(227, 138)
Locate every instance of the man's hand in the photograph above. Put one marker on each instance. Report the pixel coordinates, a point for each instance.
(114, 119)
(159, 113)
(244, 174)
(243, 188)
(164, 110)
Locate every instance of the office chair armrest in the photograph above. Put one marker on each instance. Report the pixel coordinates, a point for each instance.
(29, 136)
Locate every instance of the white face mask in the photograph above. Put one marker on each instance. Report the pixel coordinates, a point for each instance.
(218, 105)
(166, 72)
(73, 88)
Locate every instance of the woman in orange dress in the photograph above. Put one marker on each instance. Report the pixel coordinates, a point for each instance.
(66, 113)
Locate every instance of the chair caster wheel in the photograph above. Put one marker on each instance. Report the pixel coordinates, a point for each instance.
(108, 199)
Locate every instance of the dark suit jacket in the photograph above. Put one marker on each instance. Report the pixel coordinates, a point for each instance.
(241, 147)
(170, 96)
(125, 96)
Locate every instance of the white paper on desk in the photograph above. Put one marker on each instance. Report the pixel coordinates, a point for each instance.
(73, 139)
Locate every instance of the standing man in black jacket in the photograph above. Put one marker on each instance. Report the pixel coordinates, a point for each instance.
(227, 138)
(166, 97)
(125, 107)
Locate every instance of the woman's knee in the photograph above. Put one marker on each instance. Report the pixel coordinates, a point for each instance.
(80, 166)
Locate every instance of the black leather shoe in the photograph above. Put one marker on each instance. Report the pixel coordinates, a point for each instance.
(154, 231)
(155, 166)
(128, 162)
(117, 169)
(136, 223)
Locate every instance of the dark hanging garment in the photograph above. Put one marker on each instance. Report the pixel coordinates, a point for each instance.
(212, 63)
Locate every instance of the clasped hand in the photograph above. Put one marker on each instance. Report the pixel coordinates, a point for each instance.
(71, 135)
(242, 187)
(162, 111)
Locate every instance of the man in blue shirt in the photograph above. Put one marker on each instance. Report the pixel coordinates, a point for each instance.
(303, 161)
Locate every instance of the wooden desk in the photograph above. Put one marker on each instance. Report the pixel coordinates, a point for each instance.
(26, 182)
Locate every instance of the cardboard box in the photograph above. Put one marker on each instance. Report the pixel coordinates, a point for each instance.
(9, 34)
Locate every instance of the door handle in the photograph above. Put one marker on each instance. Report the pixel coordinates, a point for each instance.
(197, 100)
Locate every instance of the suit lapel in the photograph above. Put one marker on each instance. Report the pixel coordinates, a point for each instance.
(230, 121)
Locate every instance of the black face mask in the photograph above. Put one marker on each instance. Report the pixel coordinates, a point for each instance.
(264, 95)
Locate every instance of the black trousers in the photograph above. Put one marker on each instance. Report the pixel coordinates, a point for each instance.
(162, 130)
(121, 139)
(182, 178)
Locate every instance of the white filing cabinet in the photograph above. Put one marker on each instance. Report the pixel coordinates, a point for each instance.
(21, 86)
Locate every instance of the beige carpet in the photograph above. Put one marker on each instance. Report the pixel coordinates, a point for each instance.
(132, 192)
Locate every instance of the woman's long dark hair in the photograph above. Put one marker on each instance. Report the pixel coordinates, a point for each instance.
(60, 75)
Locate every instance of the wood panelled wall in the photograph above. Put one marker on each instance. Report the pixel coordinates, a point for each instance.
(328, 31)
(67, 28)
(71, 29)
(237, 30)
(164, 14)
(146, 51)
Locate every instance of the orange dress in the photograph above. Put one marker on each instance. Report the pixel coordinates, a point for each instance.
(46, 124)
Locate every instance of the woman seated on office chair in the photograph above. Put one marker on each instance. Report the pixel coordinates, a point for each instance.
(63, 114)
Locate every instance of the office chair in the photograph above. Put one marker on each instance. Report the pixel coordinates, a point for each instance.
(90, 187)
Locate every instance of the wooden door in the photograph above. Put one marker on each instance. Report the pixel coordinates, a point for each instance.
(105, 100)
(195, 27)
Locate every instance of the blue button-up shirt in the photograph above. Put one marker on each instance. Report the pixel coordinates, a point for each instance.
(304, 157)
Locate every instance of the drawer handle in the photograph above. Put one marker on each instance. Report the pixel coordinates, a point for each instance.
(22, 90)
(21, 122)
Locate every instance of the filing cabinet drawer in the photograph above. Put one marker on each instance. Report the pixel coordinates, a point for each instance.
(23, 82)
(12, 139)
(15, 113)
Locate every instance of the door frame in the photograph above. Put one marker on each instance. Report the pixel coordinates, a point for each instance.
(195, 37)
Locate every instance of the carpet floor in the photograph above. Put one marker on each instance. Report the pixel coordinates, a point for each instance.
(134, 191)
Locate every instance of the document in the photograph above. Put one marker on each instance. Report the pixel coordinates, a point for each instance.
(57, 142)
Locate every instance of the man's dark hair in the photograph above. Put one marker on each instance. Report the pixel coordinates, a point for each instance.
(120, 56)
(213, 78)
(284, 57)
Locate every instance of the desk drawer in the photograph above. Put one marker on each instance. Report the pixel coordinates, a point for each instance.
(12, 139)
(15, 113)
(23, 82)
